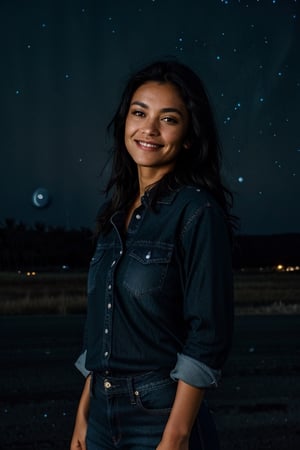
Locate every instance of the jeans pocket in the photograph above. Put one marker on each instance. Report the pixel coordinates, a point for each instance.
(157, 398)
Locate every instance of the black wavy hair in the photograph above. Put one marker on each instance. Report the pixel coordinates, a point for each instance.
(199, 166)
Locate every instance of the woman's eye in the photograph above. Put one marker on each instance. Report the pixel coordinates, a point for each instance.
(170, 120)
(137, 113)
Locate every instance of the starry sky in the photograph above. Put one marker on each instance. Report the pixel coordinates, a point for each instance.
(63, 67)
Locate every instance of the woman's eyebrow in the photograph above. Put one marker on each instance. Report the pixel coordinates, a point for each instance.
(164, 110)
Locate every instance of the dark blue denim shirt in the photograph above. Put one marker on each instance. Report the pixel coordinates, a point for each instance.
(160, 295)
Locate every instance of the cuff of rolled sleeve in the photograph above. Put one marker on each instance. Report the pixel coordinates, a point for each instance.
(195, 373)
(80, 364)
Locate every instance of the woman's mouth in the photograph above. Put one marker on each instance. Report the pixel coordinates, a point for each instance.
(148, 145)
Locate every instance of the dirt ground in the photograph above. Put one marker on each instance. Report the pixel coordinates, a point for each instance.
(257, 405)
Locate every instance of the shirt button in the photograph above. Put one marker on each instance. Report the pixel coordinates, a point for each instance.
(109, 306)
(109, 287)
(113, 263)
(106, 354)
(106, 331)
(148, 256)
(138, 216)
(121, 252)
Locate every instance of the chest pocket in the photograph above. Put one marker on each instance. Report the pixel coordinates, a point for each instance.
(147, 268)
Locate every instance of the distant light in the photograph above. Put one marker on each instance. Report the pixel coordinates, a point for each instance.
(279, 267)
(41, 198)
(241, 179)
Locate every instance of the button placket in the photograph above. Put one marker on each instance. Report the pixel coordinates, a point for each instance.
(136, 219)
(109, 306)
(107, 328)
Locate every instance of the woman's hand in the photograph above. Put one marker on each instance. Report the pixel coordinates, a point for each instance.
(78, 441)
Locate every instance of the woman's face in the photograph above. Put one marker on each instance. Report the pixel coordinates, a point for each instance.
(156, 126)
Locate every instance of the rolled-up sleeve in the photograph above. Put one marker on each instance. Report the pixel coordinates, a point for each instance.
(206, 271)
(80, 364)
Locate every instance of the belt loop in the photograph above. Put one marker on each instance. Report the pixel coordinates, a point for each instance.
(131, 390)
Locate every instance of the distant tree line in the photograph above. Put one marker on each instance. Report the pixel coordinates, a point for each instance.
(53, 248)
(267, 250)
(43, 247)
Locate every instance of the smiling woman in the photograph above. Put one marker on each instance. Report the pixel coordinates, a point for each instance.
(156, 128)
(159, 320)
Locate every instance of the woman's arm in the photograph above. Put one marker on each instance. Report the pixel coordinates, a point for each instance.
(80, 428)
(183, 415)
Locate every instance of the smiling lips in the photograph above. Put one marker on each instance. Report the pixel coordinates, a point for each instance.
(148, 145)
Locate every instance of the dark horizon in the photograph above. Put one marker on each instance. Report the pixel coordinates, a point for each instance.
(24, 248)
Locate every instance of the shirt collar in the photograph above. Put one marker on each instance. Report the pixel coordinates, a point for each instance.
(166, 198)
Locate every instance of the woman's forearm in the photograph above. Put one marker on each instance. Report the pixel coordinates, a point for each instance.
(78, 441)
(84, 403)
(183, 415)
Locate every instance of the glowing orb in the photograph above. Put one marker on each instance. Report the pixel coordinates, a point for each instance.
(40, 198)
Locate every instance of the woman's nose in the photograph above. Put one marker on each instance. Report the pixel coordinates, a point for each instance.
(150, 127)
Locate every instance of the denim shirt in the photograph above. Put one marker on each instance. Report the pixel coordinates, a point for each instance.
(160, 295)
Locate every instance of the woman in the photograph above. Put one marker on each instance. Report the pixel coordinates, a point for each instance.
(160, 314)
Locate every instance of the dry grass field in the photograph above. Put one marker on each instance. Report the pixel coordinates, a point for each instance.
(259, 292)
(265, 292)
(42, 293)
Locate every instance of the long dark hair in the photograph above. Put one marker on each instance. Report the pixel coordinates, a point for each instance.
(199, 166)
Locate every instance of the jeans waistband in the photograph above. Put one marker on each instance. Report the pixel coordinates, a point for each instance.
(122, 384)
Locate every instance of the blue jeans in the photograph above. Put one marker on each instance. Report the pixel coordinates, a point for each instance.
(130, 413)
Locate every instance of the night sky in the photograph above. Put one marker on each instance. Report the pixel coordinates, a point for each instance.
(63, 67)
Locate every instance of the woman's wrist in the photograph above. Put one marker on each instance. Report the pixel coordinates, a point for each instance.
(178, 427)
